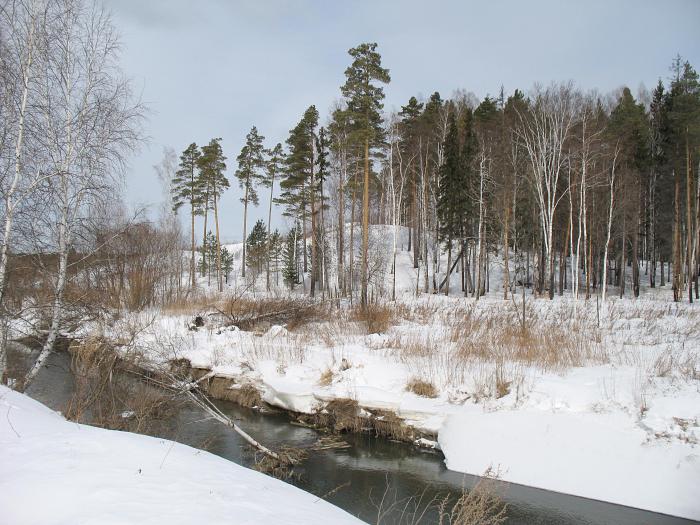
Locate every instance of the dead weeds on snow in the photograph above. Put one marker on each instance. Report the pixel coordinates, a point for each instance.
(377, 318)
(421, 388)
(326, 377)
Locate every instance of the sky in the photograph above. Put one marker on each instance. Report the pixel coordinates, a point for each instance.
(215, 68)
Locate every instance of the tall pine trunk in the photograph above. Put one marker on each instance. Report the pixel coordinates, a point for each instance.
(689, 220)
(245, 229)
(677, 237)
(193, 277)
(365, 226)
(218, 246)
(269, 222)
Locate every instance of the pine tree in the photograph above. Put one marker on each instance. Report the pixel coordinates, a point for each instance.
(256, 247)
(450, 205)
(251, 163)
(208, 254)
(364, 101)
(212, 165)
(410, 143)
(274, 166)
(186, 188)
(298, 186)
(628, 128)
(684, 123)
(322, 168)
(291, 256)
(274, 256)
(226, 262)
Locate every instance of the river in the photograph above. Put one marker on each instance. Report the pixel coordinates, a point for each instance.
(359, 477)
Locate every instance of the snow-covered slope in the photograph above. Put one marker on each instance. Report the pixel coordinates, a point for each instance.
(56, 472)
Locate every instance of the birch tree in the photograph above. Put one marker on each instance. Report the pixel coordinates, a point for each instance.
(544, 128)
(91, 121)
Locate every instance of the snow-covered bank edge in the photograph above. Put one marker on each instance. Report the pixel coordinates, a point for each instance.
(83, 474)
(639, 388)
(606, 456)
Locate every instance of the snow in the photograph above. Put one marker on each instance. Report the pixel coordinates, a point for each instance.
(57, 472)
(599, 456)
(621, 424)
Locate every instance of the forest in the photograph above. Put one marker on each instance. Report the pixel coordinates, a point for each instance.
(605, 181)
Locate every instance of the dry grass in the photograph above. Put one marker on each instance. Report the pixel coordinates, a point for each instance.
(386, 424)
(326, 378)
(194, 303)
(340, 415)
(421, 388)
(224, 388)
(108, 397)
(247, 312)
(377, 318)
(479, 506)
(251, 313)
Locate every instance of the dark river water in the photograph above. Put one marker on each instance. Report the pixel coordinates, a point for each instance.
(377, 480)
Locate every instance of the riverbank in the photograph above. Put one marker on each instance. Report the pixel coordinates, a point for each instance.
(55, 471)
(603, 409)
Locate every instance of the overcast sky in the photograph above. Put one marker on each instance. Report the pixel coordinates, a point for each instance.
(214, 68)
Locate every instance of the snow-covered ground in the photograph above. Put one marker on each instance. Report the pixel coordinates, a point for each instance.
(58, 472)
(601, 403)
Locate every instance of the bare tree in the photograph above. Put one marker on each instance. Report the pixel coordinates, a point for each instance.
(544, 129)
(22, 27)
(91, 121)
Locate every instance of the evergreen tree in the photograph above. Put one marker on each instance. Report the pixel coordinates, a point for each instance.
(628, 128)
(274, 166)
(251, 163)
(212, 165)
(661, 186)
(450, 186)
(298, 186)
(186, 188)
(410, 143)
(684, 126)
(226, 262)
(275, 248)
(322, 172)
(291, 256)
(256, 247)
(208, 255)
(364, 106)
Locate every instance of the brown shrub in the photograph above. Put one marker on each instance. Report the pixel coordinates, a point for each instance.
(326, 377)
(107, 396)
(479, 506)
(225, 388)
(340, 415)
(388, 425)
(247, 313)
(376, 317)
(421, 388)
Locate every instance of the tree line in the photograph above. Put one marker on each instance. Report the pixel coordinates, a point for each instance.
(559, 188)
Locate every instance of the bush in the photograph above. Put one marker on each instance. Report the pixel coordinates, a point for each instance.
(376, 317)
(421, 388)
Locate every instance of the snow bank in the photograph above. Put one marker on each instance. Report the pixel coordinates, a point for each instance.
(599, 456)
(54, 471)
